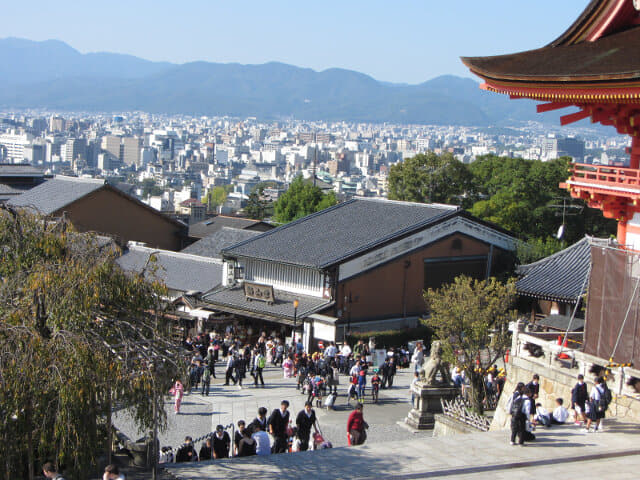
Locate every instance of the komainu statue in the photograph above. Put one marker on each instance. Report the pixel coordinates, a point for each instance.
(434, 365)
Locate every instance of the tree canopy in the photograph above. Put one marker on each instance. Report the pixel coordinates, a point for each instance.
(522, 196)
(301, 199)
(471, 319)
(430, 178)
(76, 335)
(215, 197)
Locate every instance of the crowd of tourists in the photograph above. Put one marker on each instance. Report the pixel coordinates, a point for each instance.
(527, 412)
(266, 435)
(317, 374)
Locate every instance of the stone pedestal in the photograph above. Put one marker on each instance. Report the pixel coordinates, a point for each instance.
(426, 404)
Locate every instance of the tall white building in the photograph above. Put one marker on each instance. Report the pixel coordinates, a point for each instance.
(14, 146)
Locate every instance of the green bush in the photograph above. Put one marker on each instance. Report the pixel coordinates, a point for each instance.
(394, 338)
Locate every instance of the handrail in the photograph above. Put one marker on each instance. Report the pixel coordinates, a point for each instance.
(606, 174)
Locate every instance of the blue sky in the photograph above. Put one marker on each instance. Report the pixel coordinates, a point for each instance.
(401, 41)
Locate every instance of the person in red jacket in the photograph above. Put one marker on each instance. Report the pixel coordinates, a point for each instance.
(356, 426)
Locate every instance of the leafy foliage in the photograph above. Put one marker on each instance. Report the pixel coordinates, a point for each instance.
(471, 319)
(150, 188)
(256, 208)
(429, 178)
(76, 335)
(300, 200)
(519, 195)
(215, 197)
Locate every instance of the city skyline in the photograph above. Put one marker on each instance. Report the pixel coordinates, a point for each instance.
(385, 41)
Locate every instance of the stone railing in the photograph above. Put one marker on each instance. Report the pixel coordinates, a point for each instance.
(458, 410)
(543, 349)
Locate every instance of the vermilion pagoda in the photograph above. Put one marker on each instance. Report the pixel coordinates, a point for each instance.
(595, 66)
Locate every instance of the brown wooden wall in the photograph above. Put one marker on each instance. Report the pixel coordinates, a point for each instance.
(108, 212)
(378, 293)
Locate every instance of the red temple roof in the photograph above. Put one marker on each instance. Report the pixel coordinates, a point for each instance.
(596, 54)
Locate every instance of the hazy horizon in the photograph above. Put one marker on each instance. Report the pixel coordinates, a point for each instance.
(409, 42)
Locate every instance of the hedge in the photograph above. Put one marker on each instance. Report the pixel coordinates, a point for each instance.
(394, 338)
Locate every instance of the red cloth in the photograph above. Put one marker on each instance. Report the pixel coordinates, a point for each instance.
(356, 421)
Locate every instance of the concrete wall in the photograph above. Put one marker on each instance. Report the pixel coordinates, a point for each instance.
(446, 425)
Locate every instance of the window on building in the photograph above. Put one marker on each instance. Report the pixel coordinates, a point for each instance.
(443, 270)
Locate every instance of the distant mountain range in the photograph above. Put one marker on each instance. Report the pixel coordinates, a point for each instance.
(53, 75)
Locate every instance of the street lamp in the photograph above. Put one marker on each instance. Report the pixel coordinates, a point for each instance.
(295, 318)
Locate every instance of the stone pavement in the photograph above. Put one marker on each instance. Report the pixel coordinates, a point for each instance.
(200, 415)
(563, 452)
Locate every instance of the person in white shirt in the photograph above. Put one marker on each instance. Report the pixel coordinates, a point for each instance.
(417, 358)
(263, 444)
(355, 370)
(331, 351)
(560, 414)
(594, 414)
(542, 415)
(346, 350)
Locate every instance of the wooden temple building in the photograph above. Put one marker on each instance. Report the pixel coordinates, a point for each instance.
(594, 66)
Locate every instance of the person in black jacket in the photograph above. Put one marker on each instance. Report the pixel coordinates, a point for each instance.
(261, 420)
(278, 423)
(304, 421)
(186, 452)
(206, 451)
(221, 443)
(241, 369)
(579, 397)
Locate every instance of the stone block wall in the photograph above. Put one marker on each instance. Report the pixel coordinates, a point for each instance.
(557, 382)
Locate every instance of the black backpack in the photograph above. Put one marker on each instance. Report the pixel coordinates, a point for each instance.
(605, 398)
(516, 406)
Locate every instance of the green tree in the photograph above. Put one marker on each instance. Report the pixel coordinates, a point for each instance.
(301, 199)
(215, 197)
(150, 188)
(523, 197)
(430, 178)
(256, 208)
(77, 335)
(471, 319)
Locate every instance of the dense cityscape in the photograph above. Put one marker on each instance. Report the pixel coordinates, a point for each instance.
(180, 159)
(256, 248)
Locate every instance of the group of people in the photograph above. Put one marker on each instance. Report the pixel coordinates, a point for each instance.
(526, 413)
(277, 433)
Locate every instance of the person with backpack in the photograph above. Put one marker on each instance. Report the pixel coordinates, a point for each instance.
(579, 397)
(259, 362)
(599, 401)
(518, 419)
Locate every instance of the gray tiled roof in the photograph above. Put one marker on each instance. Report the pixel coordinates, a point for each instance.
(561, 322)
(20, 170)
(211, 225)
(559, 277)
(8, 190)
(234, 298)
(225, 237)
(179, 271)
(56, 193)
(334, 234)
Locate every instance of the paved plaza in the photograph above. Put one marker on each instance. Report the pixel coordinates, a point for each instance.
(560, 452)
(226, 404)
(391, 450)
